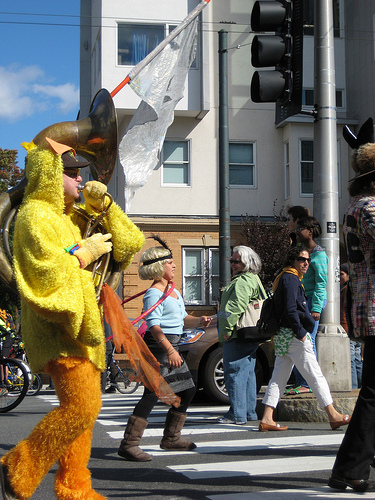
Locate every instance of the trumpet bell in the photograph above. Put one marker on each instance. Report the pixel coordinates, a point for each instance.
(94, 137)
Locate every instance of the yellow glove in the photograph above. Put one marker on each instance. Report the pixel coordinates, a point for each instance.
(92, 248)
(94, 193)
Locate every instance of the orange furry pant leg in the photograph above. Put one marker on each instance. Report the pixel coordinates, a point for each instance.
(64, 434)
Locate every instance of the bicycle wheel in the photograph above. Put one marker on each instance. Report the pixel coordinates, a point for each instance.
(123, 382)
(35, 385)
(14, 383)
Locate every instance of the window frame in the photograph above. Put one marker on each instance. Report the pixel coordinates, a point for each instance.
(185, 275)
(211, 275)
(304, 195)
(253, 165)
(287, 170)
(206, 288)
(311, 106)
(338, 30)
(338, 166)
(187, 163)
(168, 28)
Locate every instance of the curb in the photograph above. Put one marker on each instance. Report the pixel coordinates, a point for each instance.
(305, 407)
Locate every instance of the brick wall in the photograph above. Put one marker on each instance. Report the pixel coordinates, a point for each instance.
(176, 236)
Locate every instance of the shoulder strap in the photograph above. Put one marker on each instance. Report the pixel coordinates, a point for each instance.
(261, 288)
(146, 313)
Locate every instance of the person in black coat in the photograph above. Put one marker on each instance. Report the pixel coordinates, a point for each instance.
(293, 344)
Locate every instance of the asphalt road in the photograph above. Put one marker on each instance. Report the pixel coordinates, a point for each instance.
(231, 462)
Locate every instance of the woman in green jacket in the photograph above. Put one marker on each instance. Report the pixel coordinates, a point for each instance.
(239, 357)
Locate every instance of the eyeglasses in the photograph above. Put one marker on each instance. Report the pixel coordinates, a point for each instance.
(299, 229)
(233, 261)
(73, 173)
(303, 259)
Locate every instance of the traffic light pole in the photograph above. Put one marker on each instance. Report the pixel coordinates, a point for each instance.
(224, 214)
(333, 344)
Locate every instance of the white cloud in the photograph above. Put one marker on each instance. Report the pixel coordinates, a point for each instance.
(67, 94)
(23, 94)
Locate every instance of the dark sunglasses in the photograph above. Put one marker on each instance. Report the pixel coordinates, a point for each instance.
(299, 229)
(233, 261)
(73, 173)
(303, 259)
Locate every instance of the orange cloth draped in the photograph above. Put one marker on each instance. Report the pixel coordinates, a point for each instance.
(142, 360)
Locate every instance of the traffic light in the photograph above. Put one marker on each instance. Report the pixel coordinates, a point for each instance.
(283, 50)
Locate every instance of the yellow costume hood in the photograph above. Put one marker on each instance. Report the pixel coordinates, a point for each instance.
(59, 316)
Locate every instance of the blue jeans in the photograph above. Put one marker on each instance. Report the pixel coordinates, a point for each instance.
(356, 364)
(239, 360)
(299, 379)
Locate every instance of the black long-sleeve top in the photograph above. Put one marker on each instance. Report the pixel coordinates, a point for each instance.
(291, 306)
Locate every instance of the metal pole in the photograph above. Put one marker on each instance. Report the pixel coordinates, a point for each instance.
(333, 343)
(224, 215)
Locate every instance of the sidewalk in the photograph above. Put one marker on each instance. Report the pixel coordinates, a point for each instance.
(305, 408)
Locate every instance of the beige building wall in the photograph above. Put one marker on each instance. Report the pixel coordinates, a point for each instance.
(197, 120)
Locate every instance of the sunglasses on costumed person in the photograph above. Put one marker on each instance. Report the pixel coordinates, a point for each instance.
(233, 261)
(73, 173)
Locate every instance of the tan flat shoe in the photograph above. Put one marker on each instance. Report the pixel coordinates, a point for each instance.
(267, 427)
(344, 421)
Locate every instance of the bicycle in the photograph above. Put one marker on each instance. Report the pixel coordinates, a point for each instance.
(123, 379)
(18, 352)
(14, 379)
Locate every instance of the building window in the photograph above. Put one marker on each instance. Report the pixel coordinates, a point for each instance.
(309, 101)
(308, 17)
(200, 281)
(306, 167)
(176, 163)
(241, 165)
(287, 170)
(213, 276)
(136, 41)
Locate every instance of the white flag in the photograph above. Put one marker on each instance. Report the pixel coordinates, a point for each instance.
(161, 86)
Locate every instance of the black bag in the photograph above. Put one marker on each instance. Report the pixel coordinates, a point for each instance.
(268, 323)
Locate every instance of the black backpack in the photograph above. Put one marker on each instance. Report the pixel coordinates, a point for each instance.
(268, 323)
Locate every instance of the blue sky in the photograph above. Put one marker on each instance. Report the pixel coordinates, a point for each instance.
(39, 68)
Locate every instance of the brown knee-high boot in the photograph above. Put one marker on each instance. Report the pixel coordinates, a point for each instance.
(129, 448)
(172, 439)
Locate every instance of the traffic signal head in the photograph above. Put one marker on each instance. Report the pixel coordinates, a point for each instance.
(268, 16)
(267, 86)
(283, 50)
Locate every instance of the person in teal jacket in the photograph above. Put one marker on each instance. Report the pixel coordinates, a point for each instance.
(239, 357)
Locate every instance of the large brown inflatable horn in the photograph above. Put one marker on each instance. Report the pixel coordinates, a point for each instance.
(93, 137)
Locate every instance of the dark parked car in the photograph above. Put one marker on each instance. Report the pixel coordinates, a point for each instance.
(204, 356)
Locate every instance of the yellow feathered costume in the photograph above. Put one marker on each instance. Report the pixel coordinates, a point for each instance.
(62, 329)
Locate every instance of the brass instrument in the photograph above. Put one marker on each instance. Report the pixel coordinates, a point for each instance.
(94, 138)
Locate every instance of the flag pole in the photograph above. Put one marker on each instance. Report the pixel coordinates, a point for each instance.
(142, 64)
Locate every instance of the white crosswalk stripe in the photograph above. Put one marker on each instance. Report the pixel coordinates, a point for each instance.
(201, 422)
(324, 493)
(262, 467)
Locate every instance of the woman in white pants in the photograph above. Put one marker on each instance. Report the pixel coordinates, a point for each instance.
(293, 344)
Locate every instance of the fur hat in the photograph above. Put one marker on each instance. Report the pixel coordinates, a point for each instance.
(363, 160)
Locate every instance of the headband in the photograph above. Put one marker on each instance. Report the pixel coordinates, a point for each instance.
(152, 261)
(158, 259)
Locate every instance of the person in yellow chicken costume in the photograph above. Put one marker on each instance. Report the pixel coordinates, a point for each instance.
(61, 321)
